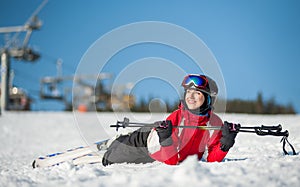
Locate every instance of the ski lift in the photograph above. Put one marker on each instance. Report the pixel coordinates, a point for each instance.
(19, 52)
(49, 89)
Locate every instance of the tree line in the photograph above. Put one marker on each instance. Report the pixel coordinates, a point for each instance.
(258, 106)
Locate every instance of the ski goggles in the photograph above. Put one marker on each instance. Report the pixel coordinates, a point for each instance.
(199, 81)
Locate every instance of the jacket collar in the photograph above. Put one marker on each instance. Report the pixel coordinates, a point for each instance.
(194, 118)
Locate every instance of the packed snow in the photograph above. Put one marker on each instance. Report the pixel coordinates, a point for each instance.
(253, 161)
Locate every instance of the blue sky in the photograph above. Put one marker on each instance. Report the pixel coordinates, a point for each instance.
(256, 43)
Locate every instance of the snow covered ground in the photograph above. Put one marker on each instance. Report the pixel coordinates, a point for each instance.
(253, 161)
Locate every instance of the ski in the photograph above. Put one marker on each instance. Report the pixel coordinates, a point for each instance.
(88, 159)
(69, 155)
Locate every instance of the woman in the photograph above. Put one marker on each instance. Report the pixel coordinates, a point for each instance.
(171, 145)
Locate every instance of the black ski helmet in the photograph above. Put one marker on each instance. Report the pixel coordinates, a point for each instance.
(202, 83)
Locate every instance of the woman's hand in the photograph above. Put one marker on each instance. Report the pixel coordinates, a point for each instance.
(164, 131)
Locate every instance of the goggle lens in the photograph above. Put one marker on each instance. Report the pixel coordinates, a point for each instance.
(196, 80)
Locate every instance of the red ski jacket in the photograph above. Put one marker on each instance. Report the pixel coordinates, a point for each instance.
(188, 141)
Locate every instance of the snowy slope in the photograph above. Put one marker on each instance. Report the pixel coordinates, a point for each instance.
(254, 160)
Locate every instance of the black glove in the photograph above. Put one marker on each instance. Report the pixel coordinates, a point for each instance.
(229, 132)
(164, 131)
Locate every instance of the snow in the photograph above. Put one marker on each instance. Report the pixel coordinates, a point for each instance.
(253, 161)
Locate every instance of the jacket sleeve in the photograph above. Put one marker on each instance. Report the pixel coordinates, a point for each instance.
(169, 154)
(215, 154)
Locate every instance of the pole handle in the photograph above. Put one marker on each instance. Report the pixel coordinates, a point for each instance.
(272, 133)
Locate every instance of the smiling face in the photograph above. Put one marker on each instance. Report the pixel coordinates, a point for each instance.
(194, 99)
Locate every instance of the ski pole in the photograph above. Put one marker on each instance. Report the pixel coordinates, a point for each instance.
(126, 123)
(261, 131)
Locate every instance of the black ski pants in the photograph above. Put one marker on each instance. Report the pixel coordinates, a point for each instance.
(131, 148)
